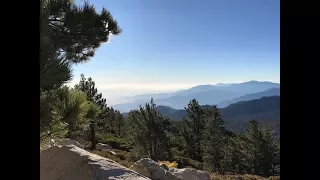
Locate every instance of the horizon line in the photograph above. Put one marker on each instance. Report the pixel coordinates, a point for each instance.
(175, 90)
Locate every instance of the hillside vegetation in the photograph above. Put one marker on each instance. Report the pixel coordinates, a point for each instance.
(265, 110)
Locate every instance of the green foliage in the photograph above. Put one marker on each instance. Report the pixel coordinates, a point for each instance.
(88, 87)
(149, 132)
(110, 119)
(185, 162)
(45, 113)
(75, 31)
(234, 155)
(223, 151)
(70, 34)
(254, 140)
(270, 152)
(193, 130)
(116, 142)
(119, 124)
(254, 151)
(54, 71)
(92, 111)
(214, 140)
(73, 108)
(237, 116)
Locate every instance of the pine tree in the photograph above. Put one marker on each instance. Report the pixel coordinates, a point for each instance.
(270, 151)
(75, 31)
(119, 123)
(196, 123)
(187, 136)
(214, 140)
(106, 116)
(111, 118)
(235, 155)
(149, 132)
(69, 34)
(254, 140)
(74, 108)
(88, 86)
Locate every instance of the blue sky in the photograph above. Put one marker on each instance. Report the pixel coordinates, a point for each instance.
(175, 44)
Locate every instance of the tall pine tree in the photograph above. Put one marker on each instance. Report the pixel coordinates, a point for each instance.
(214, 140)
(119, 123)
(195, 125)
(150, 132)
(69, 34)
(88, 86)
(270, 152)
(253, 146)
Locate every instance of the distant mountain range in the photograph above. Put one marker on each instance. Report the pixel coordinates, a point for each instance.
(267, 93)
(219, 94)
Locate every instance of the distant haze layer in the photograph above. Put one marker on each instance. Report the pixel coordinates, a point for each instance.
(220, 94)
(117, 90)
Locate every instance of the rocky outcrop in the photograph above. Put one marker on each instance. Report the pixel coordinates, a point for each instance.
(151, 169)
(73, 163)
(190, 174)
(67, 160)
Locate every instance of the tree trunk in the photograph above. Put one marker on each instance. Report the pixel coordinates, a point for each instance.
(71, 128)
(119, 126)
(154, 149)
(151, 149)
(273, 169)
(111, 128)
(93, 136)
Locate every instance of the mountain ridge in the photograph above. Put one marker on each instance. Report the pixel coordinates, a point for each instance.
(205, 94)
(258, 95)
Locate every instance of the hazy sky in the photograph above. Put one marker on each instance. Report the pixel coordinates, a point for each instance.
(175, 44)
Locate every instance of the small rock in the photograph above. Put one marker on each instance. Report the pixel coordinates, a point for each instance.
(65, 142)
(151, 169)
(112, 152)
(190, 174)
(101, 146)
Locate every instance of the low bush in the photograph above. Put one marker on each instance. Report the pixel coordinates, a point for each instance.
(119, 158)
(116, 142)
(215, 176)
(184, 162)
